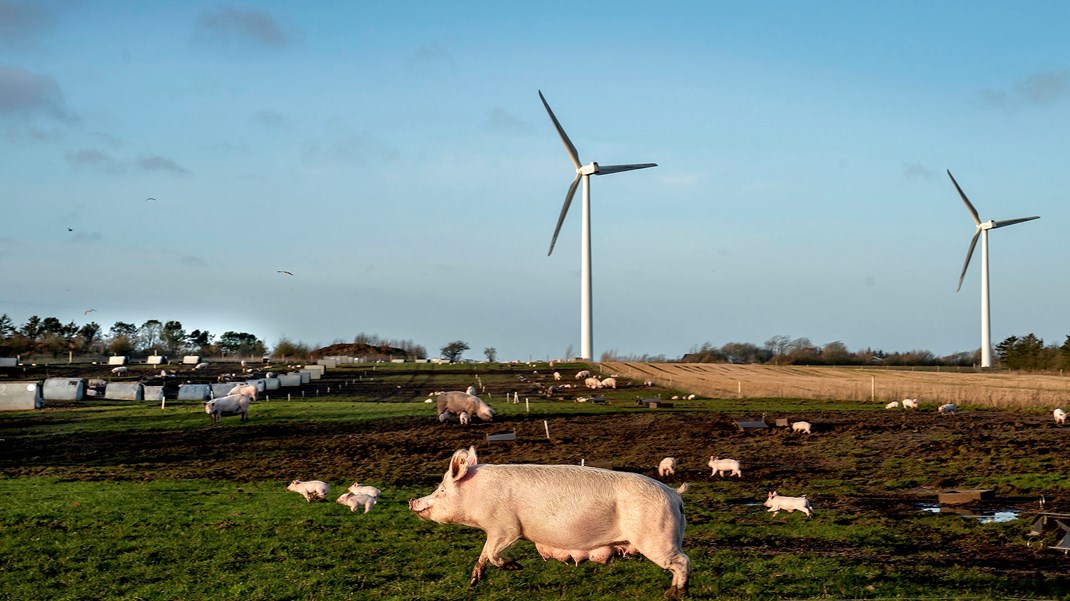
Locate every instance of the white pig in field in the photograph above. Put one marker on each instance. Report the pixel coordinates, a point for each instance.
(357, 489)
(910, 403)
(248, 390)
(353, 500)
(801, 427)
(1060, 417)
(120, 371)
(948, 408)
(235, 404)
(720, 466)
(583, 374)
(777, 503)
(312, 489)
(458, 402)
(667, 467)
(568, 511)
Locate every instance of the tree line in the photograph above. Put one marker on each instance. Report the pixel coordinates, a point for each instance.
(51, 337)
(1026, 353)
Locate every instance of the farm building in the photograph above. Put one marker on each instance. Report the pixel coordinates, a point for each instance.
(21, 396)
(125, 391)
(64, 389)
(194, 392)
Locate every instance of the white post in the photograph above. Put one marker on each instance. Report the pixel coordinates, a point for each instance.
(872, 388)
(547, 426)
(527, 408)
(739, 389)
(288, 396)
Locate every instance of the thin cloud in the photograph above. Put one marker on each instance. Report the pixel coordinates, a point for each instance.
(159, 163)
(87, 238)
(917, 171)
(503, 122)
(191, 261)
(1044, 88)
(23, 93)
(233, 27)
(430, 60)
(97, 160)
(269, 119)
(22, 24)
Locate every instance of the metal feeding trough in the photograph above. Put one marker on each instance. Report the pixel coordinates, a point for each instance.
(1053, 521)
(503, 437)
(963, 497)
(653, 403)
(745, 425)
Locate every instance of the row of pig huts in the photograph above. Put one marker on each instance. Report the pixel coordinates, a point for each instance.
(28, 395)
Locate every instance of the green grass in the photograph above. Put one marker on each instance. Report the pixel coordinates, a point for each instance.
(128, 534)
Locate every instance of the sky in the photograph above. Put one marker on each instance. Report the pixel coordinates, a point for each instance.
(164, 160)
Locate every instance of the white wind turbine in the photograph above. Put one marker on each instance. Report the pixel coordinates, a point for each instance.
(982, 232)
(583, 172)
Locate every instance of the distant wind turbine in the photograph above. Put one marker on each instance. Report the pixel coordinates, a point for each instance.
(583, 173)
(982, 232)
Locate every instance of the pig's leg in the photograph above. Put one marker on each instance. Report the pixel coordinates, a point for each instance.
(492, 550)
(674, 560)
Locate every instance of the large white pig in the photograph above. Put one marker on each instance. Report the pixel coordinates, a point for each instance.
(568, 511)
(235, 404)
(461, 402)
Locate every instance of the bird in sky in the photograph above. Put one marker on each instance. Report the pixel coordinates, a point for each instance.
(150, 198)
(88, 311)
(284, 272)
(70, 229)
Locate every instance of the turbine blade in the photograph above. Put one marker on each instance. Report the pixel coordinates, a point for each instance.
(564, 211)
(969, 254)
(996, 224)
(969, 206)
(607, 169)
(572, 154)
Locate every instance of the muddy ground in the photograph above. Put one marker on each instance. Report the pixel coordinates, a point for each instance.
(879, 462)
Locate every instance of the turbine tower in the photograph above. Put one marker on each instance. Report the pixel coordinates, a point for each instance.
(982, 232)
(583, 173)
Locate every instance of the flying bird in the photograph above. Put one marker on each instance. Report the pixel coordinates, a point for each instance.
(150, 198)
(88, 311)
(70, 229)
(284, 272)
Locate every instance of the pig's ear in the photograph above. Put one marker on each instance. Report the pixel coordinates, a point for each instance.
(472, 456)
(459, 464)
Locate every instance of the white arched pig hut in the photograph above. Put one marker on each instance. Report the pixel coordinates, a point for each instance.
(152, 393)
(117, 360)
(306, 376)
(191, 359)
(222, 389)
(290, 380)
(21, 396)
(260, 383)
(125, 391)
(194, 392)
(9, 361)
(271, 384)
(156, 359)
(317, 371)
(64, 389)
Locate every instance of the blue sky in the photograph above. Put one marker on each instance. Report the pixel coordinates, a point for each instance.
(396, 158)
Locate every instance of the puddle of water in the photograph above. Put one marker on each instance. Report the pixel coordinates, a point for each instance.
(984, 517)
